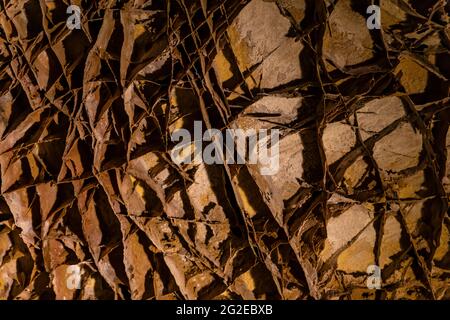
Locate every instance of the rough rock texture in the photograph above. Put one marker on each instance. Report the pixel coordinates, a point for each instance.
(88, 186)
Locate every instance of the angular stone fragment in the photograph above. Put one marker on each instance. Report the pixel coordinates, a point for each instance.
(347, 40)
(259, 36)
(345, 228)
(399, 150)
(378, 114)
(338, 139)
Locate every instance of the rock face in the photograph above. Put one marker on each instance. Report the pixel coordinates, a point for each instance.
(93, 206)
